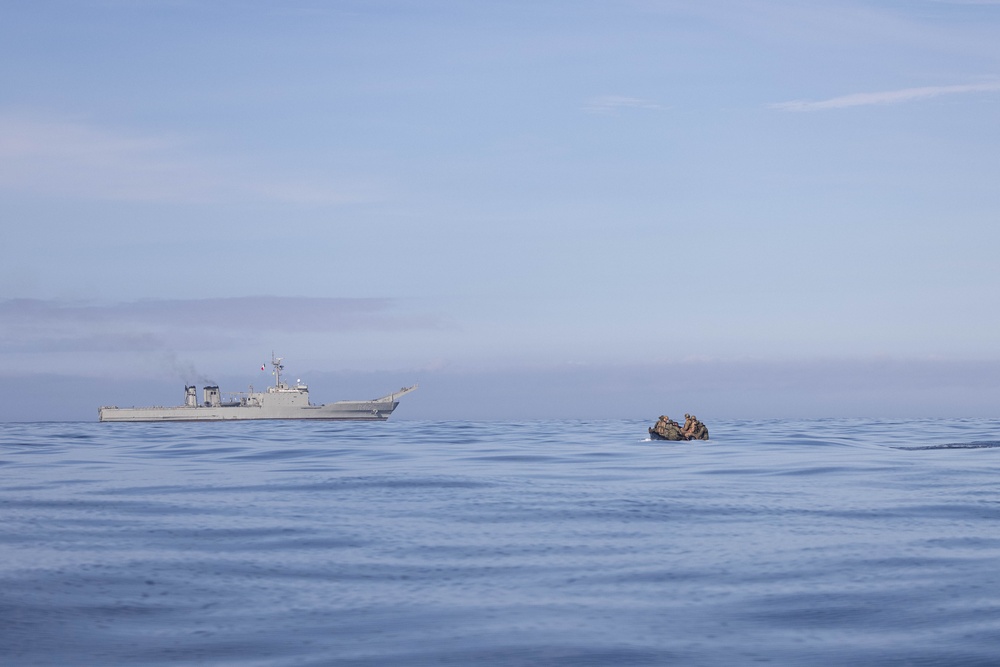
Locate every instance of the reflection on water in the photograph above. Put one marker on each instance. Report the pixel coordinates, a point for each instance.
(537, 543)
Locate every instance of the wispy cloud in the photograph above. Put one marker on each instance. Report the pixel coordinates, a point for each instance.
(35, 325)
(612, 104)
(885, 97)
(72, 158)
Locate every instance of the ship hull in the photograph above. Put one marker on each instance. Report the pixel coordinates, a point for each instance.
(341, 410)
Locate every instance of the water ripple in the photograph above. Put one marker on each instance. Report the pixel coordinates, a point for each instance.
(528, 543)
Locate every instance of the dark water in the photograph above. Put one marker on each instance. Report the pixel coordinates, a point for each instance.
(473, 543)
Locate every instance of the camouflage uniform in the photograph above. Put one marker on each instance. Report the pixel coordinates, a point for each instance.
(667, 429)
(688, 426)
(698, 430)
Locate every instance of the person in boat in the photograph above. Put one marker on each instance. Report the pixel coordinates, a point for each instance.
(688, 427)
(667, 429)
(698, 430)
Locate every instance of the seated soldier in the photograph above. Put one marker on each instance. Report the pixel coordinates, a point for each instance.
(698, 431)
(661, 424)
(688, 426)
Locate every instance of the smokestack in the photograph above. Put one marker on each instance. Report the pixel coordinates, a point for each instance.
(212, 397)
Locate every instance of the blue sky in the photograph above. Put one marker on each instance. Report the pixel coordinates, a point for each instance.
(608, 209)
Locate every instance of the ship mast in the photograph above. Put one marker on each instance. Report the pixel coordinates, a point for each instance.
(276, 362)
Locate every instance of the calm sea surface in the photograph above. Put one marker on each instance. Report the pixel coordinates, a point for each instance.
(830, 542)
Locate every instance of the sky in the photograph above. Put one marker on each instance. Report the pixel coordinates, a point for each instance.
(544, 209)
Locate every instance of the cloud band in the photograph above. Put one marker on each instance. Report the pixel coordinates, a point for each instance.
(885, 97)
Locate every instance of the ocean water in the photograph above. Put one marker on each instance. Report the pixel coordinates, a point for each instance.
(864, 542)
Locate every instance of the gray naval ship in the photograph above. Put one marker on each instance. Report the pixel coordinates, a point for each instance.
(279, 402)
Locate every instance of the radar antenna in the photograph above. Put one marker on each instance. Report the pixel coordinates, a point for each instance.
(276, 362)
